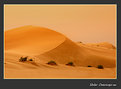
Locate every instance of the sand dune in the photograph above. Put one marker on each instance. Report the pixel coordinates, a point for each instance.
(43, 45)
(101, 45)
(31, 40)
(82, 56)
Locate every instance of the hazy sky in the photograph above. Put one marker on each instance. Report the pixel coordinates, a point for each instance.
(85, 23)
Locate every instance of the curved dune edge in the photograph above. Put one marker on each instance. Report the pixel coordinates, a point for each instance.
(42, 45)
(32, 40)
(81, 56)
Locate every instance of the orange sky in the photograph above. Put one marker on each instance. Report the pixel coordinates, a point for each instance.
(85, 23)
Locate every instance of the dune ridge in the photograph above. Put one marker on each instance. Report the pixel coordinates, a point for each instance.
(32, 40)
(81, 55)
(43, 44)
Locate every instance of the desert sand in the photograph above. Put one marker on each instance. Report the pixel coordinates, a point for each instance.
(43, 45)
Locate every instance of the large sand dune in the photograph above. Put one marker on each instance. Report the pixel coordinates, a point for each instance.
(43, 45)
(31, 40)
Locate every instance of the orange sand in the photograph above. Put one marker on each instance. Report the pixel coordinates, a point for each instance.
(42, 45)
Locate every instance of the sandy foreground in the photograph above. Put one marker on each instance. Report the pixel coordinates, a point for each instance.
(43, 45)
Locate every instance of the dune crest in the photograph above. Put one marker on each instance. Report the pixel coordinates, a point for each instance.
(81, 55)
(32, 40)
(43, 45)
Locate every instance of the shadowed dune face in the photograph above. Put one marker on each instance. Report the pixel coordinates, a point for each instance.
(43, 45)
(81, 56)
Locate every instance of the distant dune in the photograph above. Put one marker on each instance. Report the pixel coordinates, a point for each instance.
(103, 44)
(42, 45)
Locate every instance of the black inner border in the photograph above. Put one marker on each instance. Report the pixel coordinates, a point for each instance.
(56, 83)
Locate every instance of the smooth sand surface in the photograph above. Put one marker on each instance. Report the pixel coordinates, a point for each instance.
(43, 45)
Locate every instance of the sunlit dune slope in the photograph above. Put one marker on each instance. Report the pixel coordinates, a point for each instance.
(32, 40)
(46, 45)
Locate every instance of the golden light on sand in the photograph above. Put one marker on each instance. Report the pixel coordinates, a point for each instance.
(50, 51)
